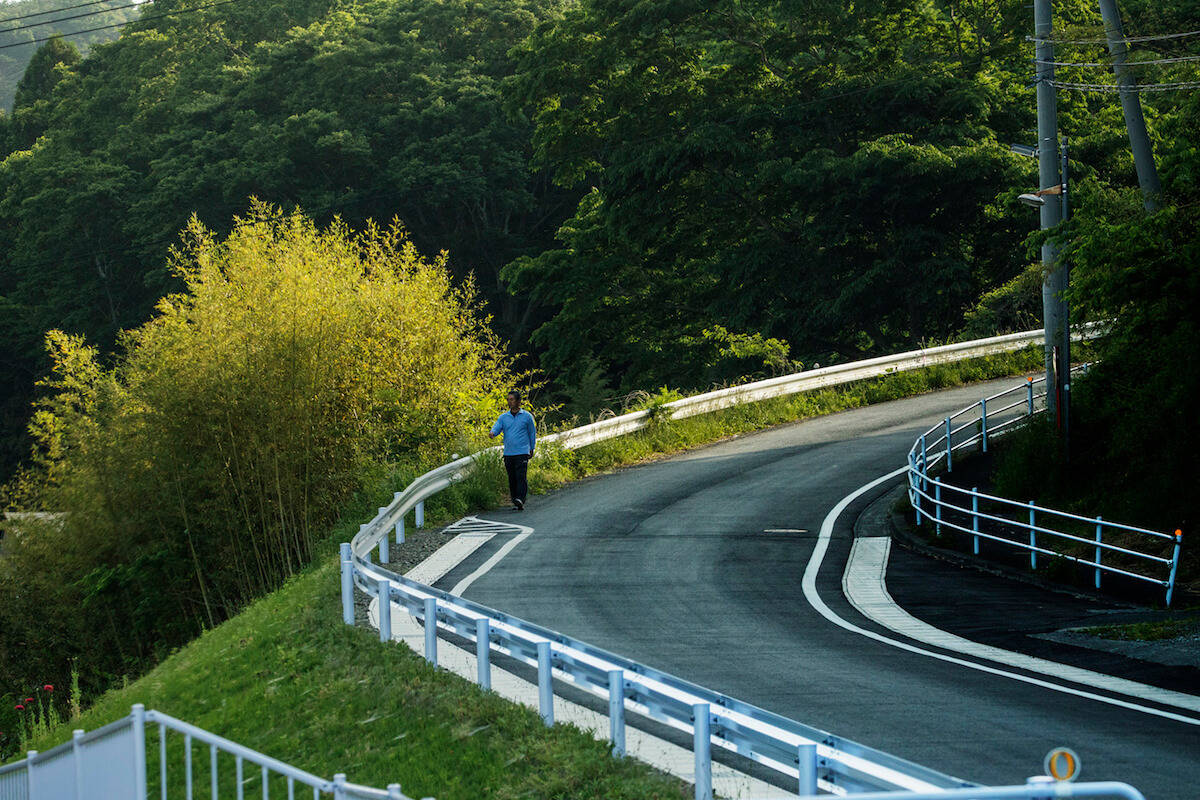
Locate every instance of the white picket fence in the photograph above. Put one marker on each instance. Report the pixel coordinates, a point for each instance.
(115, 763)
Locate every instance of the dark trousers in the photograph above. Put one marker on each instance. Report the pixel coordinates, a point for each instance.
(518, 472)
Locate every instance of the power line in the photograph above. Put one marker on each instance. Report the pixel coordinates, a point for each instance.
(1176, 60)
(167, 15)
(1115, 89)
(1125, 39)
(53, 11)
(65, 19)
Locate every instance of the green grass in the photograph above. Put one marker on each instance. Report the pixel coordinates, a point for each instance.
(556, 466)
(1146, 631)
(287, 678)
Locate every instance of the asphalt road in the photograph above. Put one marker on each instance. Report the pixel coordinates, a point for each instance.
(693, 565)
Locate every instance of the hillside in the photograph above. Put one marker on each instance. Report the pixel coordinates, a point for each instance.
(287, 678)
(26, 24)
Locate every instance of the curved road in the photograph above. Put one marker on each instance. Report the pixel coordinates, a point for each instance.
(693, 565)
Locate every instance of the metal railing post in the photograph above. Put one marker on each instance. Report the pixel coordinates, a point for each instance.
(914, 485)
(431, 630)
(384, 555)
(983, 422)
(1029, 395)
(30, 786)
(806, 760)
(421, 514)
(383, 593)
(139, 751)
(545, 685)
(702, 748)
(1099, 549)
(949, 447)
(1032, 537)
(975, 518)
(393, 790)
(1174, 566)
(339, 786)
(400, 531)
(347, 584)
(77, 758)
(616, 711)
(937, 508)
(162, 760)
(483, 652)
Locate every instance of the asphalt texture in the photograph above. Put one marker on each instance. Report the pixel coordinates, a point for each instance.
(693, 565)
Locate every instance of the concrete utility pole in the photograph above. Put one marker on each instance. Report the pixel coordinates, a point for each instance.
(1055, 285)
(1131, 106)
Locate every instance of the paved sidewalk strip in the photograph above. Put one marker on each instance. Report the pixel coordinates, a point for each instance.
(658, 753)
(865, 586)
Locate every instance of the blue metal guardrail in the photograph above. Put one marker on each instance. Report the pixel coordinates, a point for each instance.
(1036, 529)
(113, 763)
(1039, 788)
(814, 758)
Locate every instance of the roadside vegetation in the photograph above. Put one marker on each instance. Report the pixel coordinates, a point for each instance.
(484, 489)
(622, 196)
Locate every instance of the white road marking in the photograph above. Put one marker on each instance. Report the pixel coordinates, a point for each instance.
(809, 585)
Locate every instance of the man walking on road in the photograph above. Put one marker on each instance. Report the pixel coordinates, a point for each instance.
(520, 434)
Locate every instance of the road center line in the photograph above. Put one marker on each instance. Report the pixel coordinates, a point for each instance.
(809, 585)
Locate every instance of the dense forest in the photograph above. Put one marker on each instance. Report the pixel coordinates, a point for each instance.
(25, 25)
(632, 194)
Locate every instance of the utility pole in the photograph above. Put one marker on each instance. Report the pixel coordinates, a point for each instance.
(1131, 106)
(1054, 285)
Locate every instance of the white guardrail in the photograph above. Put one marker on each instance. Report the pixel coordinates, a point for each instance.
(814, 759)
(113, 763)
(1025, 526)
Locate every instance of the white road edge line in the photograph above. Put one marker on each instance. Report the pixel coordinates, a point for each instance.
(809, 585)
(659, 753)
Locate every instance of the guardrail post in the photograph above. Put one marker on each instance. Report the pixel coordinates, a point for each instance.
(1032, 537)
(616, 711)
(139, 751)
(983, 422)
(347, 584)
(383, 592)
(975, 517)
(30, 793)
(383, 546)
(483, 652)
(1029, 395)
(937, 509)
(1099, 549)
(77, 757)
(545, 686)
(421, 514)
(399, 522)
(1174, 566)
(914, 486)
(431, 630)
(1041, 787)
(806, 760)
(949, 447)
(702, 748)
(339, 786)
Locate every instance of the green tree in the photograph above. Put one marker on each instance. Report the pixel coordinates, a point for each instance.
(780, 169)
(198, 471)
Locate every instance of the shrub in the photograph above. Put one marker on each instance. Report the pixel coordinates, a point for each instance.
(198, 470)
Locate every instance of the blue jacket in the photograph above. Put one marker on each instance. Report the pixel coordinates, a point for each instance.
(520, 432)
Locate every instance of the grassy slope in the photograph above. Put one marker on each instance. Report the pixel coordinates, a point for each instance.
(286, 677)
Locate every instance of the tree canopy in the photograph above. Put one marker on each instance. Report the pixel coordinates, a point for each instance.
(199, 470)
